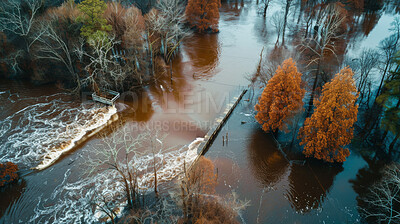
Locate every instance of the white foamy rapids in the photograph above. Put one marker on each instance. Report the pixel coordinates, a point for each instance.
(103, 116)
(169, 165)
(75, 202)
(35, 132)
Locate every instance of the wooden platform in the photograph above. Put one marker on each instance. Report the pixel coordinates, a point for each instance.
(104, 100)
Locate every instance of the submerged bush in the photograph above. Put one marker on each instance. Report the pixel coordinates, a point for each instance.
(8, 173)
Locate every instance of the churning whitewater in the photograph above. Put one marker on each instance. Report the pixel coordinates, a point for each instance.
(73, 201)
(44, 128)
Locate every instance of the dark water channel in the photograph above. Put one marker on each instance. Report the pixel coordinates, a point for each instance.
(281, 190)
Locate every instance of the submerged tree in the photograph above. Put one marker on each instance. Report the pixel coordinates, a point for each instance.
(265, 8)
(288, 3)
(281, 98)
(330, 128)
(203, 14)
(367, 61)
(323, 46)
(122, 154)
(8, 173)
(277, 21)
(390, 100)
(197, 200)
(389, 46)
(382, 200)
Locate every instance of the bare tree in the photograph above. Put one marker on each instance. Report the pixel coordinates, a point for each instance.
(51, 44)
(383, 198)
(266, 4)
(116, 153)
(288, 3)
(123, 153)
(322, 44)
(388, 47)
(103, 71)
(133, 41)
(152, 37)
(169, 23)
(15, 18)
(277, 21)
(367, 61)
(13, 59)
(106, 203)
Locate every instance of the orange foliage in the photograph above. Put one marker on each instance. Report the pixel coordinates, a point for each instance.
(203, 207)
(281, 98)
(330, 128)
(203, 14)
(203, 177)
(8, 173)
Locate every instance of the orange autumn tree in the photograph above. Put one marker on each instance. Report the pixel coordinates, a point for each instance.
(281, 98)
(330, 128)
(8, 173)
(203, 14)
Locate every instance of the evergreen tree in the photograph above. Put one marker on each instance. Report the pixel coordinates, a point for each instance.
(94, 23)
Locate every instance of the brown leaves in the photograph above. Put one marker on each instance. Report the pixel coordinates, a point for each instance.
(114, 15)
(135, 26)
(330, 128)
(8, 173)
(281, 98)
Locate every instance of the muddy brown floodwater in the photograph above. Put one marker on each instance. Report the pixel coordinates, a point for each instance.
(281, 191)
(208, 73)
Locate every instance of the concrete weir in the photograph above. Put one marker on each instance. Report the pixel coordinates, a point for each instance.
(217, 125)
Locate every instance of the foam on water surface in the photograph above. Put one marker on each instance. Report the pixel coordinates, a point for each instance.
(35, 132)
(72, 201)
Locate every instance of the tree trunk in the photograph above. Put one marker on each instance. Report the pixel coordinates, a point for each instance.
(288, 2)
(265, 7)
(372, 120)
(393, 143)
(384, 135)
(170, 69)
(382, 80)
(300, 12)
(277, 39)
(311, 103)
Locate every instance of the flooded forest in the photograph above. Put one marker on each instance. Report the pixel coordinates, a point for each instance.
(199, 111)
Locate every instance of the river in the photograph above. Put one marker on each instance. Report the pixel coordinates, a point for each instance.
(37, 123)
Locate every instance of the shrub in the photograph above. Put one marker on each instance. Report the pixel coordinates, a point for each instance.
(8, 173)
